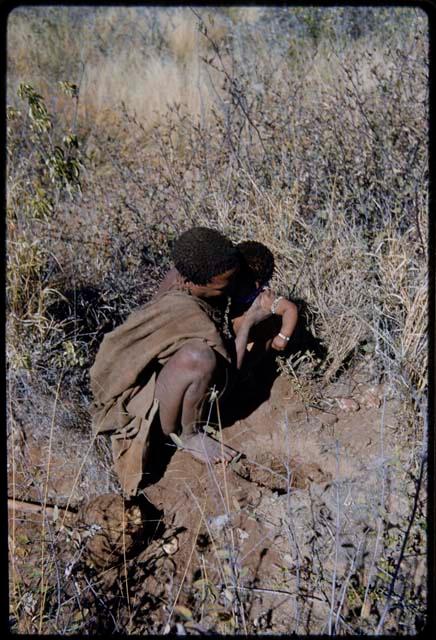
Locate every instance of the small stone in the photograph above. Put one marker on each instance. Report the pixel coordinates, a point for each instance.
(348, 404)
(243, 535)
(370, 401)
(377, 390)
(171, 547)
(327, 419)
(218, 522)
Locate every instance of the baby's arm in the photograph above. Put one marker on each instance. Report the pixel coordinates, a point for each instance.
(289, 313)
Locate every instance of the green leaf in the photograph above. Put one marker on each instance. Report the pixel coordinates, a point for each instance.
(23, 538)
(210, 430)
(183, 611)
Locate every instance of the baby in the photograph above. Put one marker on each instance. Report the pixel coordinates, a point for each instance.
(256, 271)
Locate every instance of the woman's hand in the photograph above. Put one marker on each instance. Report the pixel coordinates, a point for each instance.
(279, 344)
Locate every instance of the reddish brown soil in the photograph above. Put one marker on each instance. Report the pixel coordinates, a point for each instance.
(231, 548)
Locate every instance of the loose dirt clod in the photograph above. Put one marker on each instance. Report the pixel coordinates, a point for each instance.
(269, 471)
(348, 404)
(116, 529)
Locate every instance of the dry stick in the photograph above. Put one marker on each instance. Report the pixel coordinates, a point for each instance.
(76, 480)
(76, 597)
(38, 507)
(13, 492)
(302, 266)
(338, 524)
(77, 98)
(203, 599)
(290, 532)
(125, 563)
(208, 463)
(235, 151)
(225, 499)
(44, 505)
(260, 466)
(232, 537)
(14, 585)
(90, 586)
(345, 585)
(278, 592)
(185, 572)
(234, 91)
(101, 601)
(403, 546)
(382, 502)
(259, 543)
(259, 191)
(201, 510)
(288, 467)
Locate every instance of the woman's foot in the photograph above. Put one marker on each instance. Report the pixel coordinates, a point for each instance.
(206, 449)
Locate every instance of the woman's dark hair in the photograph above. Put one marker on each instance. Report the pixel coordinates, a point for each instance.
(258, 259)
(201, 253)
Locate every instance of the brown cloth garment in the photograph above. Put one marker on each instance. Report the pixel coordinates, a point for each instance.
(124, 373)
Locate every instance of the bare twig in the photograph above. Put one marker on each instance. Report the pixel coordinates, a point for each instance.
(401, 556)
(36, 507)
(337, 542)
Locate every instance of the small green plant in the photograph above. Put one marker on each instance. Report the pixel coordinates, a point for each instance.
(62, 161)
(37, 180)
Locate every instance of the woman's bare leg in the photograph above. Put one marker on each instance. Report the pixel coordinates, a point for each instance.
(181, 388)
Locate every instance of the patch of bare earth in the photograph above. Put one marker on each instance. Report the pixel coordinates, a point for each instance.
(264, 544)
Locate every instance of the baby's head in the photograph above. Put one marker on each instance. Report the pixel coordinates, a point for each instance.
(258, 259)
(257, 268)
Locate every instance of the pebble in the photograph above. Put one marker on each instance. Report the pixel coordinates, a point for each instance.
(218, 522)
(348, 404)
(370, 401)
(171, 546)
(327, 419)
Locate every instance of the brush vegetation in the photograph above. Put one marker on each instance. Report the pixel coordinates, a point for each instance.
(305, 128)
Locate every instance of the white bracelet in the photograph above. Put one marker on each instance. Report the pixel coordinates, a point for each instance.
(287, 338)
(275, 303)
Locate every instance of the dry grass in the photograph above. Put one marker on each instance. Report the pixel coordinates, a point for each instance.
(157, 51)
(315, 145)
(154, 85)
(181, 33)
